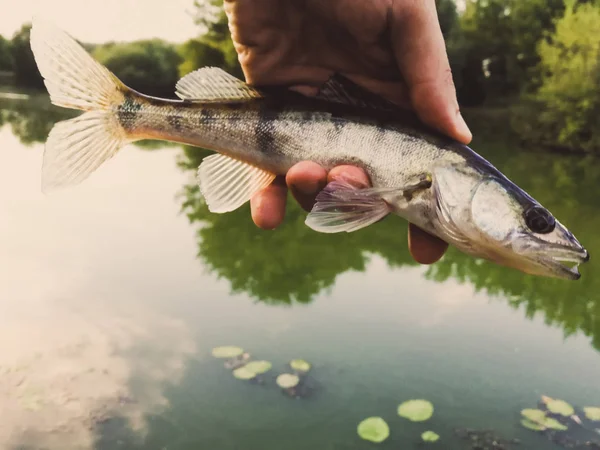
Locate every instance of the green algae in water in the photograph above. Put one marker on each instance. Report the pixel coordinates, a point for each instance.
(416, 410)
(373, 429)
(228, 351)
(430, 436)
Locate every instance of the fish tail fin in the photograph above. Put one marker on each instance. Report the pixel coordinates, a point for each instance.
(75, 148)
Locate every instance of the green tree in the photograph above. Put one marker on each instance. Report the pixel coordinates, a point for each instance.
(6, 59)
(214, 30)
(196, 54)
(570, 65)
(24, 65)
(502, 35)
(148, 66)
(448, 16)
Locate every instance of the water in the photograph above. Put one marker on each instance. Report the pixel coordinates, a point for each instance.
(113, 293)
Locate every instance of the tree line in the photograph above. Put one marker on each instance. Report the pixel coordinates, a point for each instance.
(537, 59)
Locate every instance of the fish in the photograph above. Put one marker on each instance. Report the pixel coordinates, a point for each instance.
(259, 132)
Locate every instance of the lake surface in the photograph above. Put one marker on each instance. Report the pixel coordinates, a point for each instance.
(114, 292)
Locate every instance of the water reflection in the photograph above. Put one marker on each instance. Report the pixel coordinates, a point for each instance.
(32, 119)
(294, 264)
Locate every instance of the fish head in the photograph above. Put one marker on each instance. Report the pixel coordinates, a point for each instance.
(484, 214)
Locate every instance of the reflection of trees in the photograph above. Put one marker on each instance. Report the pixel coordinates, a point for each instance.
(31, 120)
(294, 263)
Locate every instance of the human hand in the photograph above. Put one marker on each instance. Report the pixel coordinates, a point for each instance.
(394, 48)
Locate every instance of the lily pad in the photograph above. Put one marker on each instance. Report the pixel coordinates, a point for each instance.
(430, 436)
(287, 380)
(416, 410)
(300, 365)
(373, 429)
(243, 374)
(554, 424)
(534, 415)
(532, 425)
(540, 421)
(258, 367)
(559, 407)
(592, 412)
(227, 351)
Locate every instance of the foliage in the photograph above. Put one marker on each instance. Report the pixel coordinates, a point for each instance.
(228, 351)
(373, 429)
(559, 407)
(148, 66)
(299, 365)
(24, 66)
(6, 58)
(243, 373)
(287, 380)
(448, 16)
(196, 53)
(536, 420)
(568, 96)
(592, 413)
(258, 367)
(430, 436)
(416, 410)
(211, 18)
(503, 34)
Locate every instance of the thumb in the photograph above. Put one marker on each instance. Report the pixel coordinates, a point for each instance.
(420, 51)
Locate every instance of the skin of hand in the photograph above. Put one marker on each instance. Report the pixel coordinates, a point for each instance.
(393, 48)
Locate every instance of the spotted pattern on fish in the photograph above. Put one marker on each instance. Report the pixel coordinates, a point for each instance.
(175, 121)
(128, 111)
(265, 131)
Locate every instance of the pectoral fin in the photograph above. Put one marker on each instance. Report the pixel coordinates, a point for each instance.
(342, 206)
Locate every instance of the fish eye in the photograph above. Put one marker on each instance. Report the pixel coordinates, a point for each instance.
(539, 220)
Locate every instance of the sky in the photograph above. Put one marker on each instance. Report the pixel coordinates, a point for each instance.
(96, 21)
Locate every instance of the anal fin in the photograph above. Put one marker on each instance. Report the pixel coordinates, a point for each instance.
(227, 183)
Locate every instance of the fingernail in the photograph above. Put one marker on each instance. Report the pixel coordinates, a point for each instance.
(462, 129)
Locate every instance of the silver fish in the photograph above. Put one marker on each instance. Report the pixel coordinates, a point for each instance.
(432, 181)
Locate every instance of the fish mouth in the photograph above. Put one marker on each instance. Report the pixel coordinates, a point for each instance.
(563, 261)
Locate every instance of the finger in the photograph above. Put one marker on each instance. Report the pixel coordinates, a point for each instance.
(425, 248)
(420, 51)
(268, 205)
(353, 174)
(305, 180)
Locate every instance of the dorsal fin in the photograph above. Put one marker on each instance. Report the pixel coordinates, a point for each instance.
(211, 84)
(340, 89)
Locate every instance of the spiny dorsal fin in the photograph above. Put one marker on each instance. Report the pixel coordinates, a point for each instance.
(227, 183)
(211, 84)
(340, 89)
